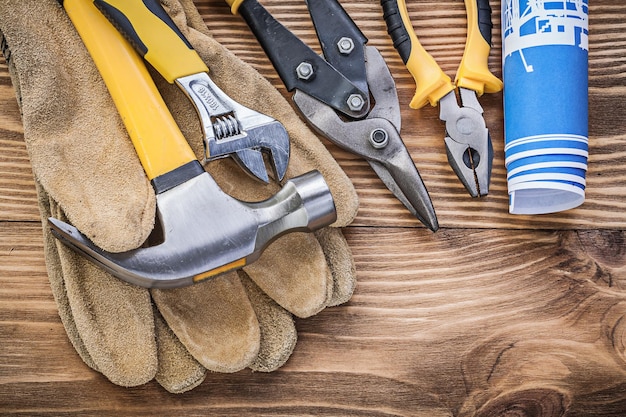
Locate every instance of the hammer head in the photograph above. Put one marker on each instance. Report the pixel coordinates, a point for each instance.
(206, 232)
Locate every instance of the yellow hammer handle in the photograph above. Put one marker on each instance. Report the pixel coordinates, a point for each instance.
(431, 82)
(157, 139)
(154, 35)
(474, 72)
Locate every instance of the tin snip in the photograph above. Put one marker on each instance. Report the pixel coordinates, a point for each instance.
(347, 94)
(468, 143)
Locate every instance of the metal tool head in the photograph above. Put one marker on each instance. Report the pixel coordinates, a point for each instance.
(468, 144)
(342, 44)
(205, 232)
(334, 78)
(376, 138)
(231, 129)
(254, 139)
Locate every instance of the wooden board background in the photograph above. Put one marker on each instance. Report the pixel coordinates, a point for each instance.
(493, 315)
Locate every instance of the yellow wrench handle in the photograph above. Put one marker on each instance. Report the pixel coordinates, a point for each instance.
(154, 35)
(431, 82)
(157, 139)
(474, 72)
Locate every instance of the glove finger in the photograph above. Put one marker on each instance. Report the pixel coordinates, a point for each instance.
(290, 270)
(78, 147)
(293, 272)
(113, 319)
(278, 330)
(214, 321)
(57, 283)
(178, 371)
(339, 260)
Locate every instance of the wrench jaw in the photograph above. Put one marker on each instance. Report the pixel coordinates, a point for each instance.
(231, 129)
(269, 138)
(211, 233)
(248, 148)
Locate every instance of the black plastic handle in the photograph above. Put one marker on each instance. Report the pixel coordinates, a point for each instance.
(396, 28)
(288, 54)
(126, 27)
(485, 25)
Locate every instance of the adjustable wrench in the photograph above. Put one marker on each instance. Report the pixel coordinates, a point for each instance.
(229, 128)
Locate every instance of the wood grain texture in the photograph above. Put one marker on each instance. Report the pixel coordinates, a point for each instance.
(494, 315)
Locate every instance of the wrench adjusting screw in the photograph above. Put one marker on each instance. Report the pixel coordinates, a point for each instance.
(379, 138)
(355, 102)
(345, 45)
(304, 70)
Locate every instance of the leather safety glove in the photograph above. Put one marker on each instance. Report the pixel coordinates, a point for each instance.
(87, 173)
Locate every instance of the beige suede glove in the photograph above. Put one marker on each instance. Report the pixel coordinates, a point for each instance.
(88, 174)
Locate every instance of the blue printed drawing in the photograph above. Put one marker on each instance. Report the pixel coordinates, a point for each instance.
(545, 50)
(529, 23)
(545, 70)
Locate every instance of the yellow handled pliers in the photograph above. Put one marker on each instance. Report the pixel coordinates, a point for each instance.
(468, 144)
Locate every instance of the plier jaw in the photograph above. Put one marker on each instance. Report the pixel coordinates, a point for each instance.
(468, 143)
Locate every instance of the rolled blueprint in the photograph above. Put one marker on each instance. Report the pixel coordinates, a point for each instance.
(545, 67)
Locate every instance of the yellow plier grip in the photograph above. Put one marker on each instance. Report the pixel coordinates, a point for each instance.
(431, 82)
(234, 5)
(473, 73)
(154, 34)
(160, 145)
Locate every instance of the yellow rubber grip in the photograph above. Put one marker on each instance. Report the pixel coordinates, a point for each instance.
(431, 82)
(152, 32)
(160, 145)
(234, 5)
(473, 72)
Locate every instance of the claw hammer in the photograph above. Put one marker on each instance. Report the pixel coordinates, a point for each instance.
(205, 232)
